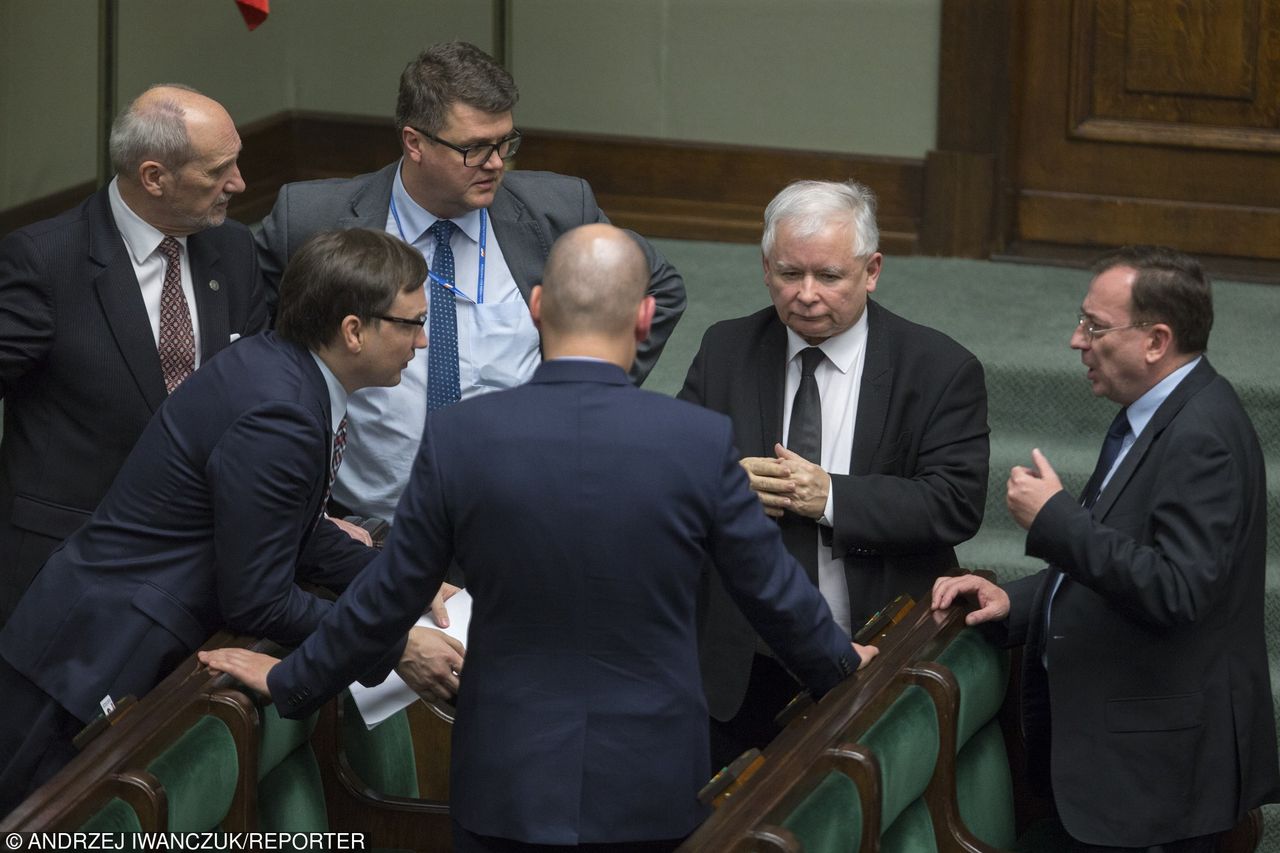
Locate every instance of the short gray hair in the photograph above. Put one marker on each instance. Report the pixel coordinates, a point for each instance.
(809, 206)
(156, 130)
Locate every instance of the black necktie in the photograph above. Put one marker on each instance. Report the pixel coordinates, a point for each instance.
(1110, 450)
(805, 434)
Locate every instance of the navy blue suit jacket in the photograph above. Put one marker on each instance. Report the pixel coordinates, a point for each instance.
(79, 371)
(203, 528)
(582, 535)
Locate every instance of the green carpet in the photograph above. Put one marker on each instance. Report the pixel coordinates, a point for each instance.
(1017, 319)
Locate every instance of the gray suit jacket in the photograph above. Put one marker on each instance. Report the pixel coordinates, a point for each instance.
(530, 210)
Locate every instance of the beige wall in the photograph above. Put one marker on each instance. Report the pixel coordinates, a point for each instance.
(857, 76)
(842, 75)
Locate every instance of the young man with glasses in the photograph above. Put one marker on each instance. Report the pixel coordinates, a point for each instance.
(457, 133)
(217, 512)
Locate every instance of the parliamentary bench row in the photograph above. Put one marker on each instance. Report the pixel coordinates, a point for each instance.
(912, 755)
(199, 755)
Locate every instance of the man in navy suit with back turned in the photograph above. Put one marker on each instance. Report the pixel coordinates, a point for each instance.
(104, 309)
(1146, 696)
(582, 532)
(450, 196)
(217, 511)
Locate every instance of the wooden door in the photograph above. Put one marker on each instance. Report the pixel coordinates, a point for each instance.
(1153, 121)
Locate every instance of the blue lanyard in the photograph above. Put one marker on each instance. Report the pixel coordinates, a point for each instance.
(484, 233)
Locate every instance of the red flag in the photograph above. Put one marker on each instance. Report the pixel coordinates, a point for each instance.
(254, 12)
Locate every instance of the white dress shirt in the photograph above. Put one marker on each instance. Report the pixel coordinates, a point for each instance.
(498, 347)
(839, 378)
(142, 240)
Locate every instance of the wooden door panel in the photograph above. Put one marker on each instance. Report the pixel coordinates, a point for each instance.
(1149, 121)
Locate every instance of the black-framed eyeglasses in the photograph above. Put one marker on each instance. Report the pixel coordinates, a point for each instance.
(475, 156)
(404, 321)
(1092, 330)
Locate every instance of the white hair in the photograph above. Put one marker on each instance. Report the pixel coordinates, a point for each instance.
(809, 206)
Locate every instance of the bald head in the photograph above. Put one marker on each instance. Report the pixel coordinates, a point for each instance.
(593, 283)
(158, 126)
(175, 153)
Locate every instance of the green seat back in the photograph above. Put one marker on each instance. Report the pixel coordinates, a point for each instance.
(115, 816)
(829, 819)
(912, 832)
(381, 756)
(984, 788)
(982, 672)
(198, 773)
(905, 740)
(290, 791)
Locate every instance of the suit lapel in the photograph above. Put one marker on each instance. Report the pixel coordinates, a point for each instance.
(121, 299)
(1199, 377)
(210, 293)
(524, 245)
(873, 396)
(771, 369)
(370, 206)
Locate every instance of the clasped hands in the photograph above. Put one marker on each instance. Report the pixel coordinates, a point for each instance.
(430, 664)
(788, 482)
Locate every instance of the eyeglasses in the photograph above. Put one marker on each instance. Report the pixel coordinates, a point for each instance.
(475, 156)
(404, 321)
(1092, 331)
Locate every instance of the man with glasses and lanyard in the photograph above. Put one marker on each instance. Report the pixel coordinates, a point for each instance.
(485, 235)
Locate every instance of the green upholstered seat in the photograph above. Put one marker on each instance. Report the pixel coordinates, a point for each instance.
(383, 756)
(912, 832)
(982, 673)
(290, 790)
(829, 819)
(905, 741)
(198, 773)
(984, 787)
(116, 816)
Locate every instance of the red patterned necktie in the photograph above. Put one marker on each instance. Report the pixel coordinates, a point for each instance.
(177, 341)
(339, 445)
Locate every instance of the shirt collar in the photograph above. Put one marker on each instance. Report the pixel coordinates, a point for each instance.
(841, 350)
(416, 219)
(1141, 410)
(140, 237)
(337, 394)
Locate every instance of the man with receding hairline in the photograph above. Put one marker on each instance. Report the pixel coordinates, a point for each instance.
(580, 715)
(1146, 699)
(106, 308)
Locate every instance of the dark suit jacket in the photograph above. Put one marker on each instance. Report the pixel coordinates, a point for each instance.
(529, 211)
(79, 372)
(918, 474)
(582, 534)
(202, 529)
(1157, 685)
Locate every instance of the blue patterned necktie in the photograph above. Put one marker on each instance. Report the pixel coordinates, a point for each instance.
(442, 359)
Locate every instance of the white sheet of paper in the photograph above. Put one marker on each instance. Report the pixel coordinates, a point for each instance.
(381, 701)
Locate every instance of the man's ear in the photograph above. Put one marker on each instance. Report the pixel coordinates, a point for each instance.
(1159, 342)
(644, 318)
(152, 176)
(412, 143)
(535, 306)
(350, 334)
